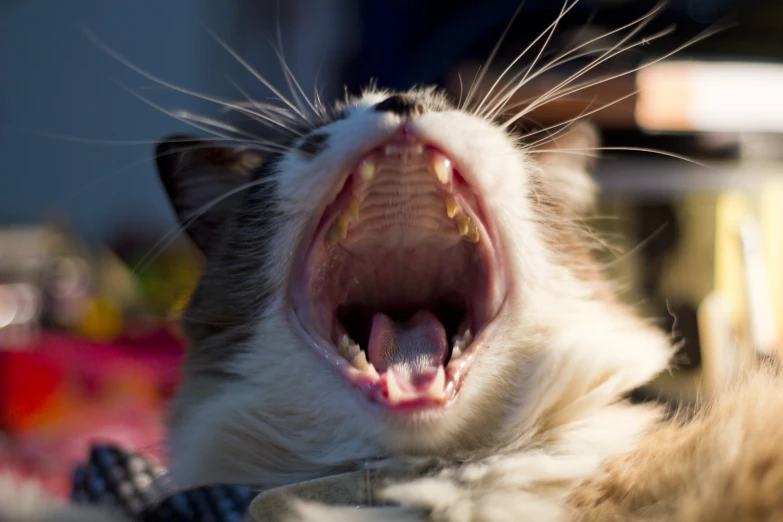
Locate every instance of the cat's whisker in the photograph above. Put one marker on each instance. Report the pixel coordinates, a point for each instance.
(290, 79)
(565, 57)
(567, 123)
(159, 81)
(562, 89)
(549, 31)
(260, 115)
(483, 69)
(261, 79)
(173, 115)
(616, 49)
(171, 236)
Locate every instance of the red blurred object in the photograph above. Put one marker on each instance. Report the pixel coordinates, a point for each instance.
(64, 393)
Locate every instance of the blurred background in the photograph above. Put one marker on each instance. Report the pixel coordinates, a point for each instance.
(92, 276)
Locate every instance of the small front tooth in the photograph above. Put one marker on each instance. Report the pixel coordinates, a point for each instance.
(467, 228)
(391, 149)
(456, 352)
(393, 389)
(438, 384)
(417, 149)
(367, 169)
(452, 209)
(442, 167)
(353, 350)
(360, 361)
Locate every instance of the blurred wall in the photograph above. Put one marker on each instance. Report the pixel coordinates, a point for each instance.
(55, 81)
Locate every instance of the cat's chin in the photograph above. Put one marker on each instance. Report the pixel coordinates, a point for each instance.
(400, 282)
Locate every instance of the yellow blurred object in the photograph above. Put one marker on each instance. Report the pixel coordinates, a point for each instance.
(102, 320)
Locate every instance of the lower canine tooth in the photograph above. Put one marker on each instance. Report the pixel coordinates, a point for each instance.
(438, 384)
(360, 361)
(467, 228)
(442, 167)
(393, 390)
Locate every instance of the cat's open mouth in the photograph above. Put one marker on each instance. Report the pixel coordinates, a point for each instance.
(402, 276)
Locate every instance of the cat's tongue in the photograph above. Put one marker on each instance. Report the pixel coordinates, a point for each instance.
(412, 349)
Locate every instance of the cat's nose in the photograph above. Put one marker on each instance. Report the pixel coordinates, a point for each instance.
(402, 105)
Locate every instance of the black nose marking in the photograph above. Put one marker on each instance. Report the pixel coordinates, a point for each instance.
(401, 105)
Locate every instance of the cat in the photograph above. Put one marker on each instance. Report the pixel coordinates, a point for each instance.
(403, 283)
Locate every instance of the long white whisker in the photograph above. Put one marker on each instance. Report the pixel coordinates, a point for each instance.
(568, 122)
(260, 113)
(549, 32)
(172, 115)
(289, 76)
(564, 58)
(582, 152)
(706, 34)
(556, 93)
(114, 54)
(146, 261)
(601, 59)
(188, 116)
(258, 77)
(482, 70)
(520, 55)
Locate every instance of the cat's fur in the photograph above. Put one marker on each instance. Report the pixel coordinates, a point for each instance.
(541, 429)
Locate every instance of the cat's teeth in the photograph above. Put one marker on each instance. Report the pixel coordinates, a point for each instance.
(348, 348)
(393, 389)
(359, 361)
(461, 344)
(451, 207)
(337, 232)
(339, 228)
(345, 341)
(367, 169)
(438, 384)
(442, 167)
(467, 228)
(391, 149)
(394, 149)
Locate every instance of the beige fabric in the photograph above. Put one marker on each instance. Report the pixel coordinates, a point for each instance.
(358, 489)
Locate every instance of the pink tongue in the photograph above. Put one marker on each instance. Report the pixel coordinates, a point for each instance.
(413, 349)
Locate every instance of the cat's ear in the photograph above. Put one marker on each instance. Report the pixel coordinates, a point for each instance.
(567, 162)
(199, 178)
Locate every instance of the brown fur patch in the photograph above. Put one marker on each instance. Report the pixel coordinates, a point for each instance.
(724, 465)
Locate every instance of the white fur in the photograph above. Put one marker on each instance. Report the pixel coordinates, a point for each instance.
(537, 412)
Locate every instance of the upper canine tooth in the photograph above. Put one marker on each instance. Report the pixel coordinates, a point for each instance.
(337, 232)
(442, 167)
(467, 228)
(367, 169)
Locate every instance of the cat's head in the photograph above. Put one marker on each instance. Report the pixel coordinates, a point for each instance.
(405, 277)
